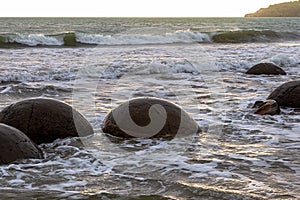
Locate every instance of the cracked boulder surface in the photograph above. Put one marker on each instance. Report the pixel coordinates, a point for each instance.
(266, 68)
(45, 120)
(16, 145)
(168, 120)
(287, 95)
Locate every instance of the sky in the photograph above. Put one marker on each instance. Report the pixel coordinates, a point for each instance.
(131, 8)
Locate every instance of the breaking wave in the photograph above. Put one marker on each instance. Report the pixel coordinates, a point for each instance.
(72, 39)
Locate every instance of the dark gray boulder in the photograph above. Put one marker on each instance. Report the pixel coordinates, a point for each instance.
(266, 68)
(149, 118)
(16, 145)
(287, 95)
(45, 120)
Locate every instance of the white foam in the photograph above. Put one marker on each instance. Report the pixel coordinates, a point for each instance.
(18, 180)
(29, 74)
(7, 89)
(285, 61)
(63, 186)
(135, 39)
(167, 67)
(36, 39)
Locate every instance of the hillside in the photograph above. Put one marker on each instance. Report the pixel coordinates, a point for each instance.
(287, 9)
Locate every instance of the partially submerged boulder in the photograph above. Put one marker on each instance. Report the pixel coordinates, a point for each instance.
(45, 120)
(149, 118)
(287, 95)
(266, 68)
(269, 107)
(16, 145)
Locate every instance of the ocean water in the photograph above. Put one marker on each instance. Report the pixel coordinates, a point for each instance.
(95, 64)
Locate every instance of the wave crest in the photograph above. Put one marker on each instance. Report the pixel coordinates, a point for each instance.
(72, 39)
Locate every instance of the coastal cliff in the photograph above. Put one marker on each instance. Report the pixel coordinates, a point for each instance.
(287, 9)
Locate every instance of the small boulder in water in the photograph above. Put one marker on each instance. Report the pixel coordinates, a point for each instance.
(149, 118)
(269, 107)
(16, 145)
(266, 68)
(45, 120)
(288, 94)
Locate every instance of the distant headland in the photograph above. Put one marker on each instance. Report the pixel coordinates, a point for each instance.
(287, 9)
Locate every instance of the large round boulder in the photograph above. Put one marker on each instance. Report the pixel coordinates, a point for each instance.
(149, 118)
(288, 94)
(266, 68)
(45, 120)
(16, 145)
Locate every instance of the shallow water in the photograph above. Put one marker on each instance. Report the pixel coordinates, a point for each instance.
(239, 155)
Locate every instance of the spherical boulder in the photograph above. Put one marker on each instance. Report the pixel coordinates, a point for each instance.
(288, 94)
(16, 145)
(269, 107)
(45, 120)
(266, 68)
(149, 118)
